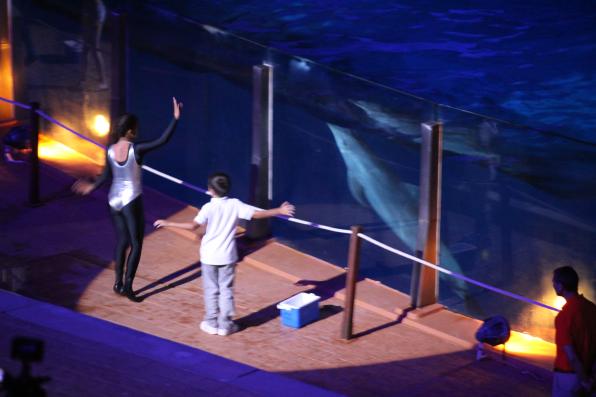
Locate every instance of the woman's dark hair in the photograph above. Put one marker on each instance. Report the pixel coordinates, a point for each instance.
(127, 121)
(567, 277)
(220, 183)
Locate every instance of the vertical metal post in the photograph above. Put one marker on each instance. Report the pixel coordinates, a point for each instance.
(351, 279)
(261, 183)
(425, 281)
(6, 79)
(119, 66)
(415, 280)
(34, 156)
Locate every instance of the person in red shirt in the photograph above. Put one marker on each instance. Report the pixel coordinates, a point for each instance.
(575, 337)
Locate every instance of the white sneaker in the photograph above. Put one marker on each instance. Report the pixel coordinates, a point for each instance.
(205, 327)
(227, 331)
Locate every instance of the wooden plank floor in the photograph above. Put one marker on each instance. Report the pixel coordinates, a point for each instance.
(61, 253)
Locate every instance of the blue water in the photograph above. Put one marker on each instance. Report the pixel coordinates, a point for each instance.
(532, 62)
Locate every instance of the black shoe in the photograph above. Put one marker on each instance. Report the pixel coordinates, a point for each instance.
(129, 293)
(119, 288)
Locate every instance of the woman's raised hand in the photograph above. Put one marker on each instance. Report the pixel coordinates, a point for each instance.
(177, 107)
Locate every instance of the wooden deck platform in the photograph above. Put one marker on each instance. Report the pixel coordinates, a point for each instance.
(61, 253)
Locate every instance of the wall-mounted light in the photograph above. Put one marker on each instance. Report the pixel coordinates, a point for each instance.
(559, 302)
(101, 125)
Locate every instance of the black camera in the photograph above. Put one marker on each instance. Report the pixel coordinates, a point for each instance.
(27, 351)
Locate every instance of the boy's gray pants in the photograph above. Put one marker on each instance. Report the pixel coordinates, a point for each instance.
(218, 283)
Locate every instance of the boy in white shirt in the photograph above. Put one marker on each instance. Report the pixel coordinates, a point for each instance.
(218, 250)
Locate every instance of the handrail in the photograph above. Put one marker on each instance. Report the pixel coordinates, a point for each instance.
(313, 224)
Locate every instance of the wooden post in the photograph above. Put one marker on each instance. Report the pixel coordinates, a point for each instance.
(6, 72)
(425, 287)
(351, 279)
(119, 66)
(34, 156)
(261, 175)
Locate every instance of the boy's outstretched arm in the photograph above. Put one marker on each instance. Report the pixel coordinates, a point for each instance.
(284, 209)
(180, 225)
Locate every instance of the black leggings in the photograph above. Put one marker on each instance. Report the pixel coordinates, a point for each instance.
(130, 230)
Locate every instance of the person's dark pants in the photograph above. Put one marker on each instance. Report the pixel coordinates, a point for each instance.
(130, 230)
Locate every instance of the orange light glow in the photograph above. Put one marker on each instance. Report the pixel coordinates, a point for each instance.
(7, 81)
(52, 150)
(101, 125)
(559, 302)
(526, 344)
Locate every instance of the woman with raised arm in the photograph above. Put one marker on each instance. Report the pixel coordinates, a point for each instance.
(124, 158)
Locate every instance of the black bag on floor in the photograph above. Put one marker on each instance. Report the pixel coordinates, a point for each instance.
(495, 331)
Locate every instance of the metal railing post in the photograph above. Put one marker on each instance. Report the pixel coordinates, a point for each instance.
(351, 280)
(425, 281)
(261, 175)
(34, 156)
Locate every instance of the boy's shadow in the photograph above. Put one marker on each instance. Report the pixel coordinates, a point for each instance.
(247, 246)
(152, 287)
(323, 288)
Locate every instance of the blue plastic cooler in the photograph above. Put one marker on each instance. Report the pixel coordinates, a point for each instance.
(299, 310)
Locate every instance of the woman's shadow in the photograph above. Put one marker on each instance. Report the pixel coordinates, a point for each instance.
(164, 284)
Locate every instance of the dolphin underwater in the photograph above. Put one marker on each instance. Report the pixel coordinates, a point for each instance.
(393, 123)
(395, 202)
(456, 139)
(524, 154)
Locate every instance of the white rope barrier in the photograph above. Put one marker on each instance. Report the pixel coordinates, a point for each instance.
(315, 225)
(456, 275)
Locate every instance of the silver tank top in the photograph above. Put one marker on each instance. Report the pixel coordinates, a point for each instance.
(126, 179)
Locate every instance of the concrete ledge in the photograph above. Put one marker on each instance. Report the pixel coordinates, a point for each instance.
(291, 264)
(421, 312)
